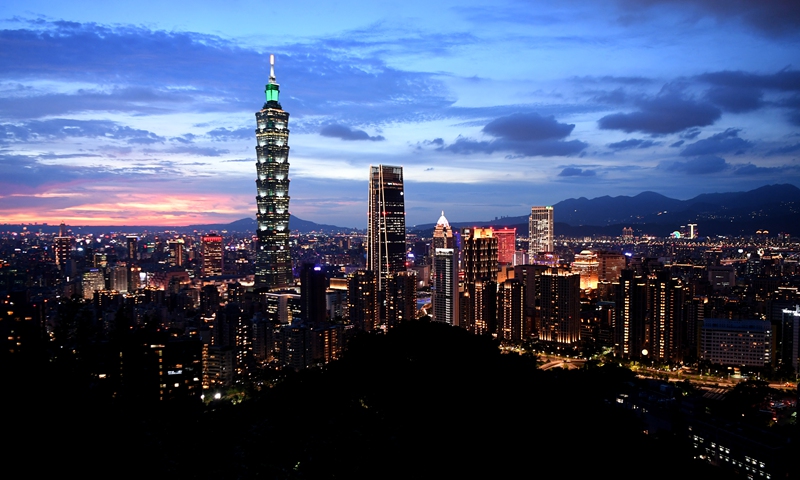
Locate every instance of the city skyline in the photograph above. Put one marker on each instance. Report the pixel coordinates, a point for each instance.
(141, 114)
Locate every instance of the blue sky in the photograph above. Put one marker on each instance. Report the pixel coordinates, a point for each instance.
(143, 112)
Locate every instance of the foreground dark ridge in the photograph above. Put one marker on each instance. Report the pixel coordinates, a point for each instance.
(423, 400)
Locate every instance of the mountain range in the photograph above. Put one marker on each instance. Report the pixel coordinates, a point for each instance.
(775, 208)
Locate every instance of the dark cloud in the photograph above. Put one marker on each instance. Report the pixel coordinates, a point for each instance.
(525, 134)
(576, 172)
(735, 99)
(661, 115)
(784, 150)
(223, 134)
(542, 148)
(436, 141)
(785, 80)
(525, 127)
(346, 133)
(633, 143)
(697, 165)
(724, 142)
(749, 169)
(677, 144)
(775, 18)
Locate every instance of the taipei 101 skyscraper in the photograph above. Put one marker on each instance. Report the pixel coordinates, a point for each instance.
(273, 257)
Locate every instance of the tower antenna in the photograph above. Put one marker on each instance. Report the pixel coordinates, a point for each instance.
(271, 68)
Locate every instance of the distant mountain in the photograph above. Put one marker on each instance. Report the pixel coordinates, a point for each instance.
(249, 225)
(775, 208)
(244, 225)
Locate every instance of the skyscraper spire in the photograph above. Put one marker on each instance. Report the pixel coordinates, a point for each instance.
(272, 68)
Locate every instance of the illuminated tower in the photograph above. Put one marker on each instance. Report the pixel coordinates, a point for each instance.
(273, 257)
(62, 247)
(212, 255)
(386, 225)
(443, 234)
(479, 264)
(561, 307)
(540, 230)
(506, 245)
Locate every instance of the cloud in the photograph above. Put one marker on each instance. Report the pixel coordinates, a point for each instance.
(784, 150)
(346, 133)
(771, 18)
(223, 134)
(633, 143)
(61, 128)
(191, 72)
(785, 80)
(690, 134)
(542, 148)
(752, 170)
(677, 144)
(525, 134)
(697, 165)
(139, 100)
(661, 115)
(735, 99)
(576, 172)
(525, 127)
(186, 138)
(727, 141)
(195, 150)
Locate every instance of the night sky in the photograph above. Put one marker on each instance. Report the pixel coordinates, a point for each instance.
(143, 112)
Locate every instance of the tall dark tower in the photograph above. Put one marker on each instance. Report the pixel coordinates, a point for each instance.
(273, 257)
(386, 225)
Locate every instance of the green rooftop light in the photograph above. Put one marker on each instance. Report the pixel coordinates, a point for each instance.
(272, 89)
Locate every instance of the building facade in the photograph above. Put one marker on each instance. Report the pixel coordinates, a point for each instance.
(273, 255)
(386, 223)
(212, 255)
(540, 230)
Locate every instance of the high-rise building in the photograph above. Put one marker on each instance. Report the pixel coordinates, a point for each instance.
(444, 294)
(561, 307)
(133, 248)
(62, 248)
(401, 297)
(540, 230)
(443, 234)
(666, 298)
(175, 252)
(313, 283)
(587, 265)
(212, 255)
(506, 245)
(631, 311)
(362, 295)
(386, 223)
(479, 256)
(479, 264)
(511, 311)
(273, 256)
